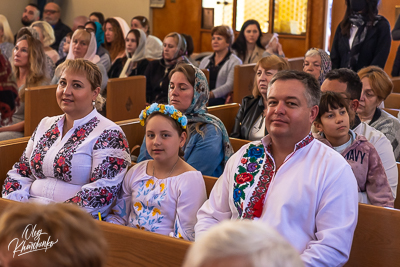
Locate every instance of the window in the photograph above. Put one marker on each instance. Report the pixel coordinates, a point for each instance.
(290, 16)
(251, 9)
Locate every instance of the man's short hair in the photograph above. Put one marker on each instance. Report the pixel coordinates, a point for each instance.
(37, 12)
(350, 78)
(256, 243)
(313, 90)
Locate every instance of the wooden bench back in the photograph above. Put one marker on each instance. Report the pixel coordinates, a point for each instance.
(10, 152)
(393, 101)
(397, 199)
(133, 247)
(126, 98)
(40, 102)
(226, 113)
(134, 133)
(377, 238)
(209, 181)
(207, 74)
(296, 63)
(392, 111)
(243, 81)
(237, 143)
(396, 85)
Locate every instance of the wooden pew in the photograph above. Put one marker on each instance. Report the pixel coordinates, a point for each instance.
(237, 143)
(207, 74)
(134, 133)
(377, 238)
(226, 113)
(396, 85)
(126, 98)
(209, 181)
(392, 111)
(393, 101)
(133, 247)
(397, 200)
(40, 102)
(296, 63)
(243, 81)
(10, 151)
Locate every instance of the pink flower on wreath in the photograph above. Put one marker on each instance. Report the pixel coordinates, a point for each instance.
(37, 157)
(243, 161)
(81, 132)
(244, 178)
(61, 161)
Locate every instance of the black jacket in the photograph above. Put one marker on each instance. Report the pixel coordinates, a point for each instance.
(249, 112)
(374, 51)
(157, 81)
(119, 64)
(60, 30)
(396, 64)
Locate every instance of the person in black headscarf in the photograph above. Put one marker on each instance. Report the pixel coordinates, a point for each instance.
(362, 37)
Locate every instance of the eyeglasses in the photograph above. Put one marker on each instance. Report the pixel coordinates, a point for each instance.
(52, 12)
(89, 30)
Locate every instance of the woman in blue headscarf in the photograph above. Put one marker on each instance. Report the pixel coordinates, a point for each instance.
(207, 148)
(101, 51)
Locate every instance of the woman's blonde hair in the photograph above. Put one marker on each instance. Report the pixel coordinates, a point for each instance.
(93, 75)
(379, 81)
(7, 33)
(81, 34)
(271, 62)
(37, 74)
(79, 239)
(47, 31)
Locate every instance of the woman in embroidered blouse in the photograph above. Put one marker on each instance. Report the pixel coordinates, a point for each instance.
(29, 68)
(83, 45)
(207, 148)
(79, 157)
(250, 120)
(377, 86)
(134, 63)
(221, 65)
(162, 195)
(248, 45)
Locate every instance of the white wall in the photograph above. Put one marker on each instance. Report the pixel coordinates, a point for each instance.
(125, 9)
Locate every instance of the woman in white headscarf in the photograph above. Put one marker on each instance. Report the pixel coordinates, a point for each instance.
(83, 45)
(134, 63)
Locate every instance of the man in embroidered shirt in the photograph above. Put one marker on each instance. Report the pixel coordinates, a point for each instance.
(296, 184)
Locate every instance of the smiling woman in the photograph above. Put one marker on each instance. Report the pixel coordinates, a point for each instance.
(83, 45)
(79, 157)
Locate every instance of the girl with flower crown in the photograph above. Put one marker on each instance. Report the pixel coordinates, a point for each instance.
(207, 146)
(162, 195)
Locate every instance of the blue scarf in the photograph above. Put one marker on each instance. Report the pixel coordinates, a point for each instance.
(99, 34)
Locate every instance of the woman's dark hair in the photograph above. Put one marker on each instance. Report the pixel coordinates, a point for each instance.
(240, 45)
(99, 15)
(118, 45)
(93, 24)
(189, 44)
(371, 12)
(333, 100)
(175, 125)
(144, 22)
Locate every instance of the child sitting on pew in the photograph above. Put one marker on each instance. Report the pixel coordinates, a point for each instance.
(333, 124)
(162, 195)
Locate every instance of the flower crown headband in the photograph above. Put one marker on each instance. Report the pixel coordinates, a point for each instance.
(164, 109)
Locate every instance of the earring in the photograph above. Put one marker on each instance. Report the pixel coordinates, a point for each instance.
(93, 103)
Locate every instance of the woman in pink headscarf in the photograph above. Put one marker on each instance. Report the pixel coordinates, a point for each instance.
(83, 45)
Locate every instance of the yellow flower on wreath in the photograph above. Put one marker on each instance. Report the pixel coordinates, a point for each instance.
(175, 116)
(162, 108)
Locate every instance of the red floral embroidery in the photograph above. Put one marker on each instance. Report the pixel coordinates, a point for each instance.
(243, 161)
(243, 178)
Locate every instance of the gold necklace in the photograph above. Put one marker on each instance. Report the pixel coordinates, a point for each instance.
(170, 171)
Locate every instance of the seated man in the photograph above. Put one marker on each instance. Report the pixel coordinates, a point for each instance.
(31, 14)
(52, 14)
(299, 186)
(346, 80)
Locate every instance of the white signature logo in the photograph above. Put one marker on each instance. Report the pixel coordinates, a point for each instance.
(25, 247)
